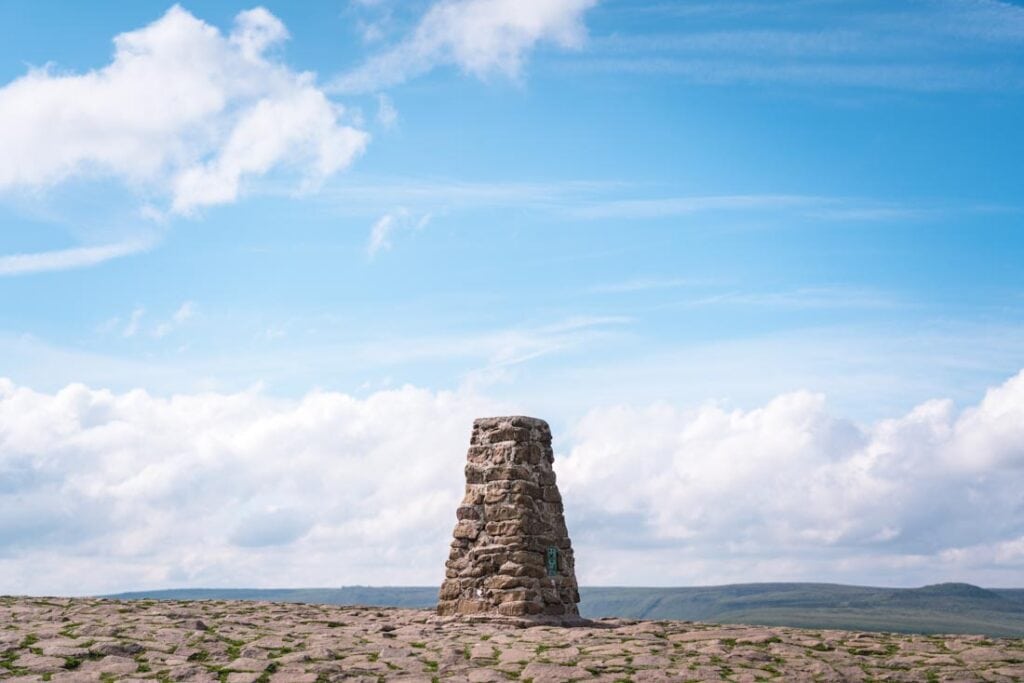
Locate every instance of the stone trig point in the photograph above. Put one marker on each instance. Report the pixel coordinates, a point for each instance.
(511, 556)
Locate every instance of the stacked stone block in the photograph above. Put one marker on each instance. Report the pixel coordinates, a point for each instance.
(511, 555)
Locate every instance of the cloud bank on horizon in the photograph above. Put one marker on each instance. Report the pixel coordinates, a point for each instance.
(105, 492)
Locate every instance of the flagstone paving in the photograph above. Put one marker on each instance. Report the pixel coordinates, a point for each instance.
(60, 639)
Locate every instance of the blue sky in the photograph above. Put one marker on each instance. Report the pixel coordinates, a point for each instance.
(671, 211)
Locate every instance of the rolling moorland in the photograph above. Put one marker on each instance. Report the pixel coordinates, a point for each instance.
(941, 608)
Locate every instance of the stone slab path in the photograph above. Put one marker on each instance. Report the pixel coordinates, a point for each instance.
(59, 639)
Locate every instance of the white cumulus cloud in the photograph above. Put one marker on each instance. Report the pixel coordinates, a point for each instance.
(182, 110)
(481, 37)
(102, 491)
(803, 494)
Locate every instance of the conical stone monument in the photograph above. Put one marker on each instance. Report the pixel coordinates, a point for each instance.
(511, 555)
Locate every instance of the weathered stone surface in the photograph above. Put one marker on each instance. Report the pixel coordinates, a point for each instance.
(553, 673)
(509, 520)
(111, 666)
(121, 648)
(242, 677)
(38, 663)
(331, 643)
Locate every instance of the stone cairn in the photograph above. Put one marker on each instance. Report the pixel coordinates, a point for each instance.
(511, 556)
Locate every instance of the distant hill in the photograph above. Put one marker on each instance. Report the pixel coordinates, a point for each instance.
(941, 608)
(382, 596)
(1015, 594)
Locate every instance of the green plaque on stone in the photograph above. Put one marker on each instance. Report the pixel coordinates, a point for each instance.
(552, 561)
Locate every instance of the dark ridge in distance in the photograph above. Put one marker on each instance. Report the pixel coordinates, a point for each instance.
(941, 608)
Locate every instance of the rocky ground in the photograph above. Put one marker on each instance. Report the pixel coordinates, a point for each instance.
(241, 642)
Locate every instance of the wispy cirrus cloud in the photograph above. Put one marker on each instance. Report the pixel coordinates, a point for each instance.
(182, 315)
(481, 37)
(805, 298)
(612, 199)
(675, 206)
(387, 115)
(384, 228)
(645, 284)
(362, 196)
(134, 324)
(822, 208)
(67, 259)
(930, 45)
(131, 328)
(910, 77)
(293, 354)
